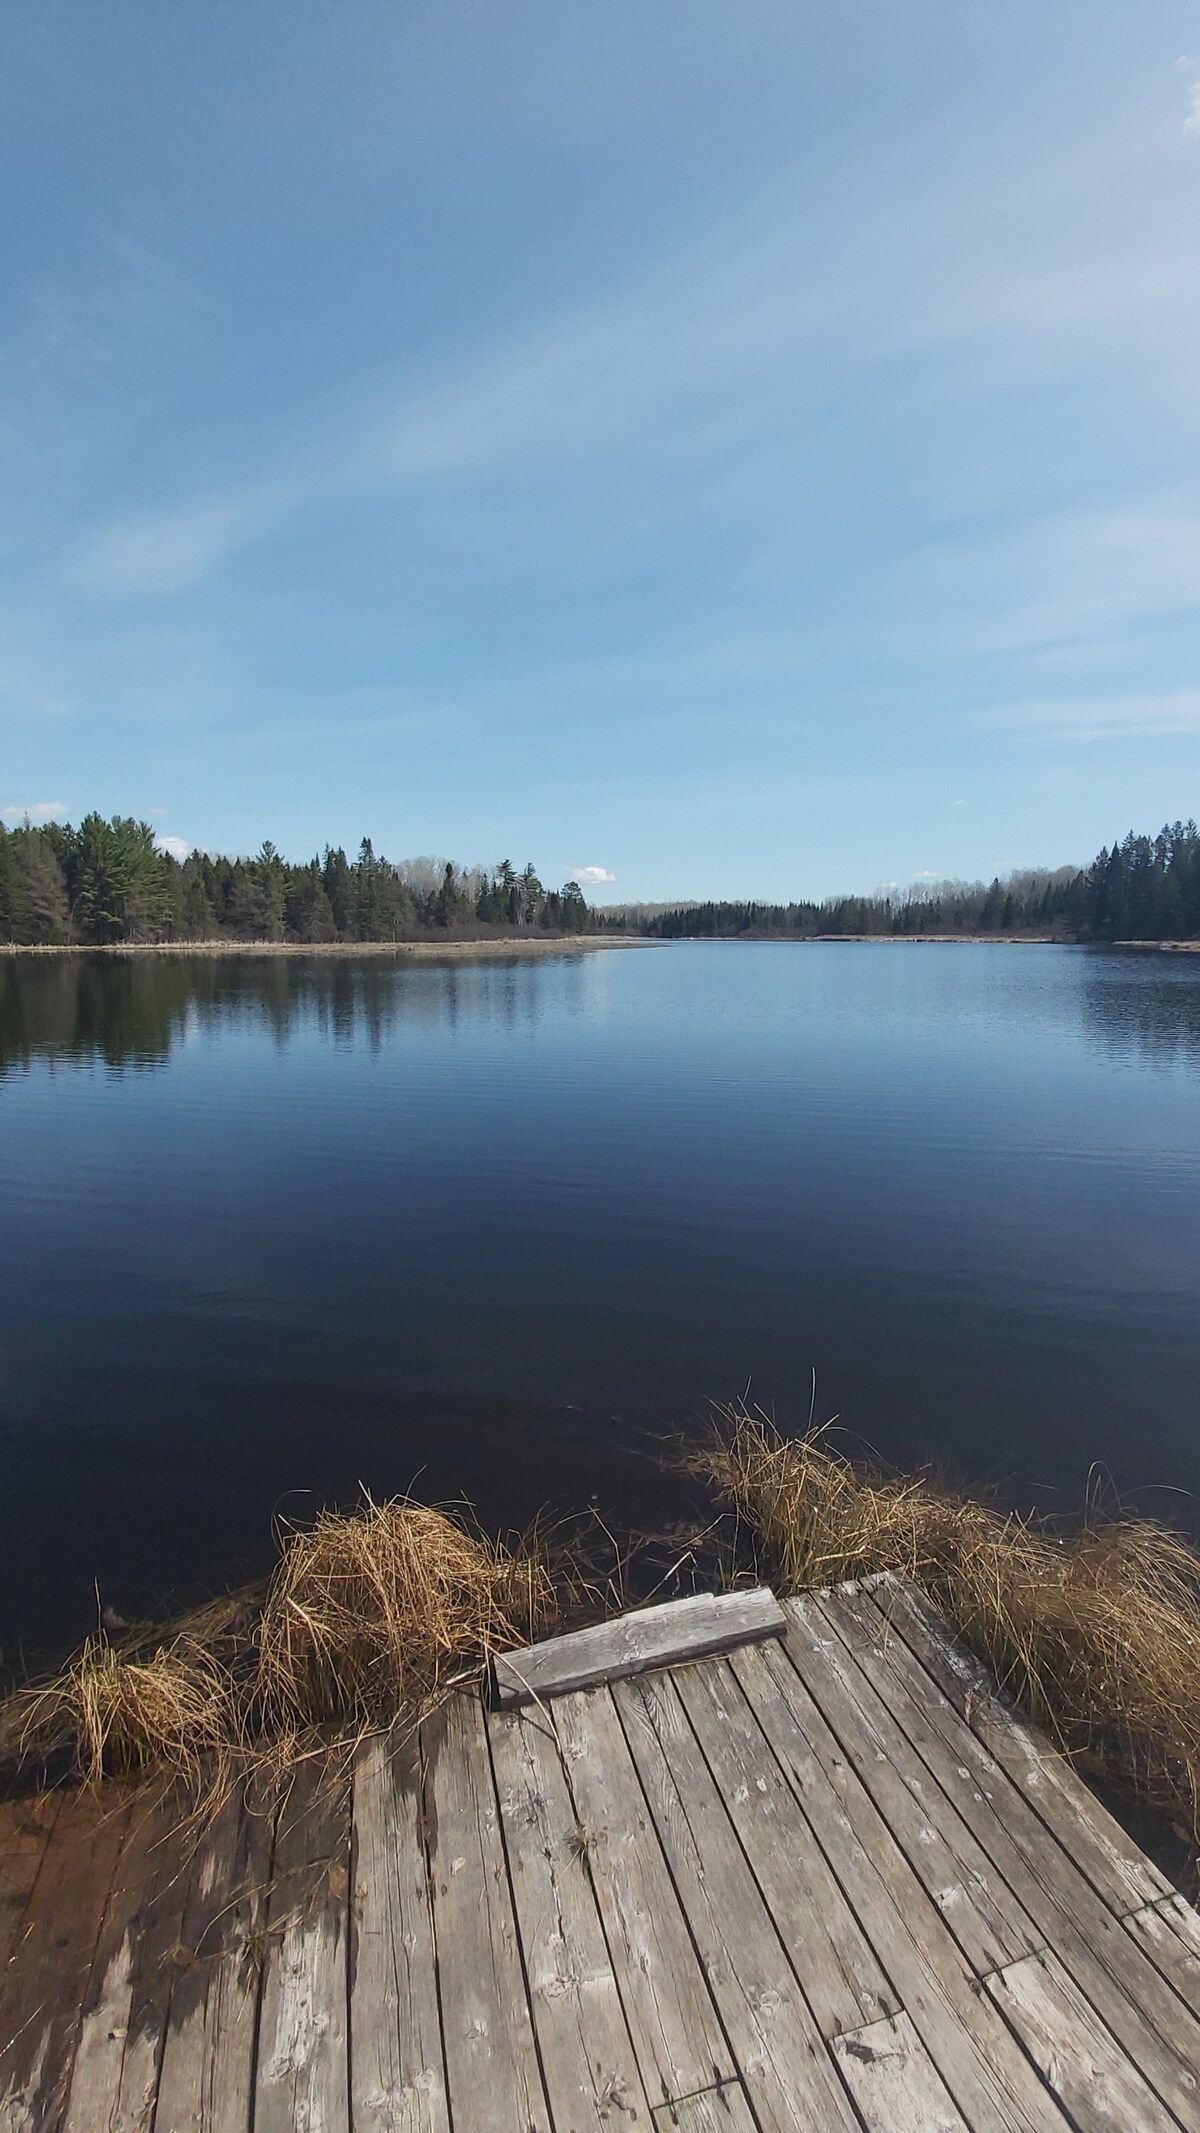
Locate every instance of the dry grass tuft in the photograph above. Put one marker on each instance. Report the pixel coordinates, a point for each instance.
(118, 1713)
(1094, 1631)
(370, 1617)
(379, 1613)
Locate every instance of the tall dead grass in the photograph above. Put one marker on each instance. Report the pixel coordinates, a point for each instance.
(1095, 1630)
(382, 1612)
(114, 1712)
(368, 1619)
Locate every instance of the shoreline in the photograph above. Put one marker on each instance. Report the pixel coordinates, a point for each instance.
(373, 1614)
(1157, 947)
(456, 948)
(460, 948)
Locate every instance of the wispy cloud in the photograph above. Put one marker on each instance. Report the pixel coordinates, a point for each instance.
(37, 811)
(1102, 718)
(169, 551)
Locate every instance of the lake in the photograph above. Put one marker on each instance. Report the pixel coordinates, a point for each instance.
(274, 1228)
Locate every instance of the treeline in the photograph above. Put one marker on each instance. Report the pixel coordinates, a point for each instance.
(1144, 888)
(107, 882)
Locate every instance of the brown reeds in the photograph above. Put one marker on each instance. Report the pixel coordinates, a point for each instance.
(1094, 1630)
(369, 1618)
(382, 1612)
(117, 1713)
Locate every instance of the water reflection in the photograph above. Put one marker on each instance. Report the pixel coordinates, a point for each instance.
(128, 1013)
(1147, 1007)
(498, 1227)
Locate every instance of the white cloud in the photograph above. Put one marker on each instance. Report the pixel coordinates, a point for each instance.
(178, 847)
(592, 874)
(1191, 123)
(40, 811)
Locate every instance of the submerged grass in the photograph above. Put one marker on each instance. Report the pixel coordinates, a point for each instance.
(1094, 1630)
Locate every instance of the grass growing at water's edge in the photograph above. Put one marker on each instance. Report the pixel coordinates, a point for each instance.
(1093, 1629)
(372, 1617)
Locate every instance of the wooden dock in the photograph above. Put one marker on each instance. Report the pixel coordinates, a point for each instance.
(821, 1880)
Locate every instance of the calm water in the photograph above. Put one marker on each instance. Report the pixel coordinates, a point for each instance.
(271, 1229)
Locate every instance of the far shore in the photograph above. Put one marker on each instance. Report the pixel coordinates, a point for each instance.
(434, 950)
(464, 949)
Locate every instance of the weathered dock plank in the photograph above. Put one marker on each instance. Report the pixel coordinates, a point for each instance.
(834, 1962)
(717, 2110)
(778, 2046)
(302, 2067)
(894, 2081)
(1031, 1847)
(206, 2080)
(1169, 1933)
(44, 1992)
(588, 2062)
(492, 2072)
(985, 1917)
(979, 2060)
(399, 2073)
(677, 2034)
(647, 1640)
(824, 1878)
(1117, 1867)
(1076, 2055)
(115, 2075)
(26, 1827)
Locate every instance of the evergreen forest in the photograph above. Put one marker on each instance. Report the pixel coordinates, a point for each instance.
(108, 882)
(1143, 889)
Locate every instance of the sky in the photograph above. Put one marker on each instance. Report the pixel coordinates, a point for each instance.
(706, 448)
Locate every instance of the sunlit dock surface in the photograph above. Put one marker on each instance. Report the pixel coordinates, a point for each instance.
(822, 1878)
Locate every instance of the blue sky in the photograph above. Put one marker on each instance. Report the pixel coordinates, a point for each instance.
(735, 448)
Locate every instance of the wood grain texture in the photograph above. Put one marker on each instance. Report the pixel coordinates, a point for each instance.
(206, 2080)
(894, 2081)
(908, 1770)
(40, 2013)
(677, 2035)
(788, 2073)
(716, 2110)
(637, 1643)
(838, 1970)
(1169, 1933)
(302, 2076)
(492, 2074)
(1117, 1868)
(1074, 2052)
(588, 2061)
(26, 1827)
(399, 2074)
(979, 2061)
(1034, 1858)
(124, 2013)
